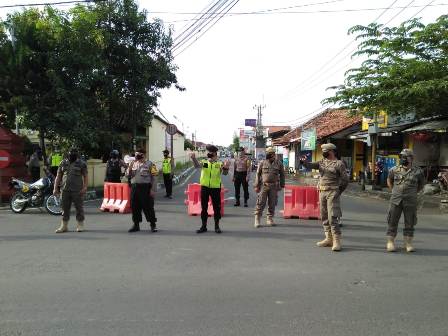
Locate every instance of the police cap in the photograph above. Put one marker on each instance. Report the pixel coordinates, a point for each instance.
(407, 152)
(328, 147)
(211, 148)
(166, 151)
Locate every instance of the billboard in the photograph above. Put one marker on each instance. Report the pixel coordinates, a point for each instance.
(308, 141)
(250, 122)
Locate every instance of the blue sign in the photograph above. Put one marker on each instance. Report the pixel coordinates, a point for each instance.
(250, 122)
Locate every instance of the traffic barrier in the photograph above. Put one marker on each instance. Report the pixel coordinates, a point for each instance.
(117, 198)
(193, 201)
(301, 202)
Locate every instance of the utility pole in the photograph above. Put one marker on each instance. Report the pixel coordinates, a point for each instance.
(260, 142)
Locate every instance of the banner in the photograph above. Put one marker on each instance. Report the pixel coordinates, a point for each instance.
(308, 139)
(250, 122)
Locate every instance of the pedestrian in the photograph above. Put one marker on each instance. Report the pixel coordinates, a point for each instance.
(34, 165)
(114, 167)
(241, 176)
(405, 180)
(71, 182)
(332, 183)
(141, 173)
(55, 161)
(211, 170)
(167, 170)
(270, 179)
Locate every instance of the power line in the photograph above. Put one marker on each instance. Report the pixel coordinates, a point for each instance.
(227, 9)
(197, 20)
(421, 10)
(50, 3)
(273, 12)
(197, 29)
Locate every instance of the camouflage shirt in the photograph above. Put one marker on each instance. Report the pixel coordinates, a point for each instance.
(268, 172)
(72, 174)
(406, 184)
(333, 174)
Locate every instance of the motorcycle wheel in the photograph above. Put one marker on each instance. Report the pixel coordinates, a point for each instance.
(53, 205)
(15, 206)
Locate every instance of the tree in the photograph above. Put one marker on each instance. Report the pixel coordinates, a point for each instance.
(188, 145)
(86, 75)
(236, 142)
(406, 70)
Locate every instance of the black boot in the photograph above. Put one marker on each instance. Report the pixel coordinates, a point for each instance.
(154, 227)
(237, 203)
(203, 228)
(217, 229)
(245, 203)
(135, 227)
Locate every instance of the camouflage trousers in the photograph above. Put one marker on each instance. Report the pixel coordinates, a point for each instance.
(75, 197)
(410, 219)
(269, 194)
(330, 210)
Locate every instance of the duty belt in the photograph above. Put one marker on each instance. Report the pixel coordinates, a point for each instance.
(327, 188)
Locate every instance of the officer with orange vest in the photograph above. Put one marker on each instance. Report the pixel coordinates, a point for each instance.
(167, 165)
(211, 170)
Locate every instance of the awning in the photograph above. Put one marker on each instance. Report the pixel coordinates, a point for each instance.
(387, 131)
(433, 126)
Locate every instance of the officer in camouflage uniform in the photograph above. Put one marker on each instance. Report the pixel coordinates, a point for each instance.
(333, 181)
(270, 178)
(72, 172)
(406, 181)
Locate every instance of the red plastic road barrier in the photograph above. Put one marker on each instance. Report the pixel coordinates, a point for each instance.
(301, 202)
(193, 201)
(117, 198)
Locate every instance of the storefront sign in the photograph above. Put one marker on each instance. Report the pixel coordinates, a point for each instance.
(308, 141)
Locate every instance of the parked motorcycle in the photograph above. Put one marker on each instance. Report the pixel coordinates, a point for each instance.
(35, 195)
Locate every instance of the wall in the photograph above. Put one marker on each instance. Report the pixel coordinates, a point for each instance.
(158, 141)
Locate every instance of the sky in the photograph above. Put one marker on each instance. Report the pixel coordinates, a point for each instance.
(282, 61)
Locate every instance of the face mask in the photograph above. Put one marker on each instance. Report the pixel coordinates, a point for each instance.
(165, 155)
(326, 154)
(73, 157)
(210, 155)
(269, 156)
(139, 156)
(404, 161)
(114, 156)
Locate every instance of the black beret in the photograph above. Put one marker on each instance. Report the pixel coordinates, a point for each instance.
(211, 148)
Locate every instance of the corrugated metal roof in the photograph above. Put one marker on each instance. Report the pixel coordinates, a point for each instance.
(433, 125)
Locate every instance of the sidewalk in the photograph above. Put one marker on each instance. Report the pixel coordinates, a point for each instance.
(437, 201)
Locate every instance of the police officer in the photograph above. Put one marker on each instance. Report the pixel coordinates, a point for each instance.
(241, 176)
(167, 166)
(405, 180)
(55, 161)
(72, 172)
(269, 180)
(141, 173)
(332, 183)
(34, 165)
(211, 170)
(113, 168)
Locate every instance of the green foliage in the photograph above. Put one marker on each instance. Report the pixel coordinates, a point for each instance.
(87, 75)
(188, 145)
(236, 143)
(406, 70)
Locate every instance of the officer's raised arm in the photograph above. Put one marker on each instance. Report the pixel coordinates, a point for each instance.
(195, 161)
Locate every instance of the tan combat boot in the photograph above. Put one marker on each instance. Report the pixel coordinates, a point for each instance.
(391, 244)
(63, 227)
(336, 243)
(257, 221)
(80, 227)
(408, 244)
(270, 221)
(327, 242)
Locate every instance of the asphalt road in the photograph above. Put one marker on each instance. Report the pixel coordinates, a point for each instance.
(246, 281)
